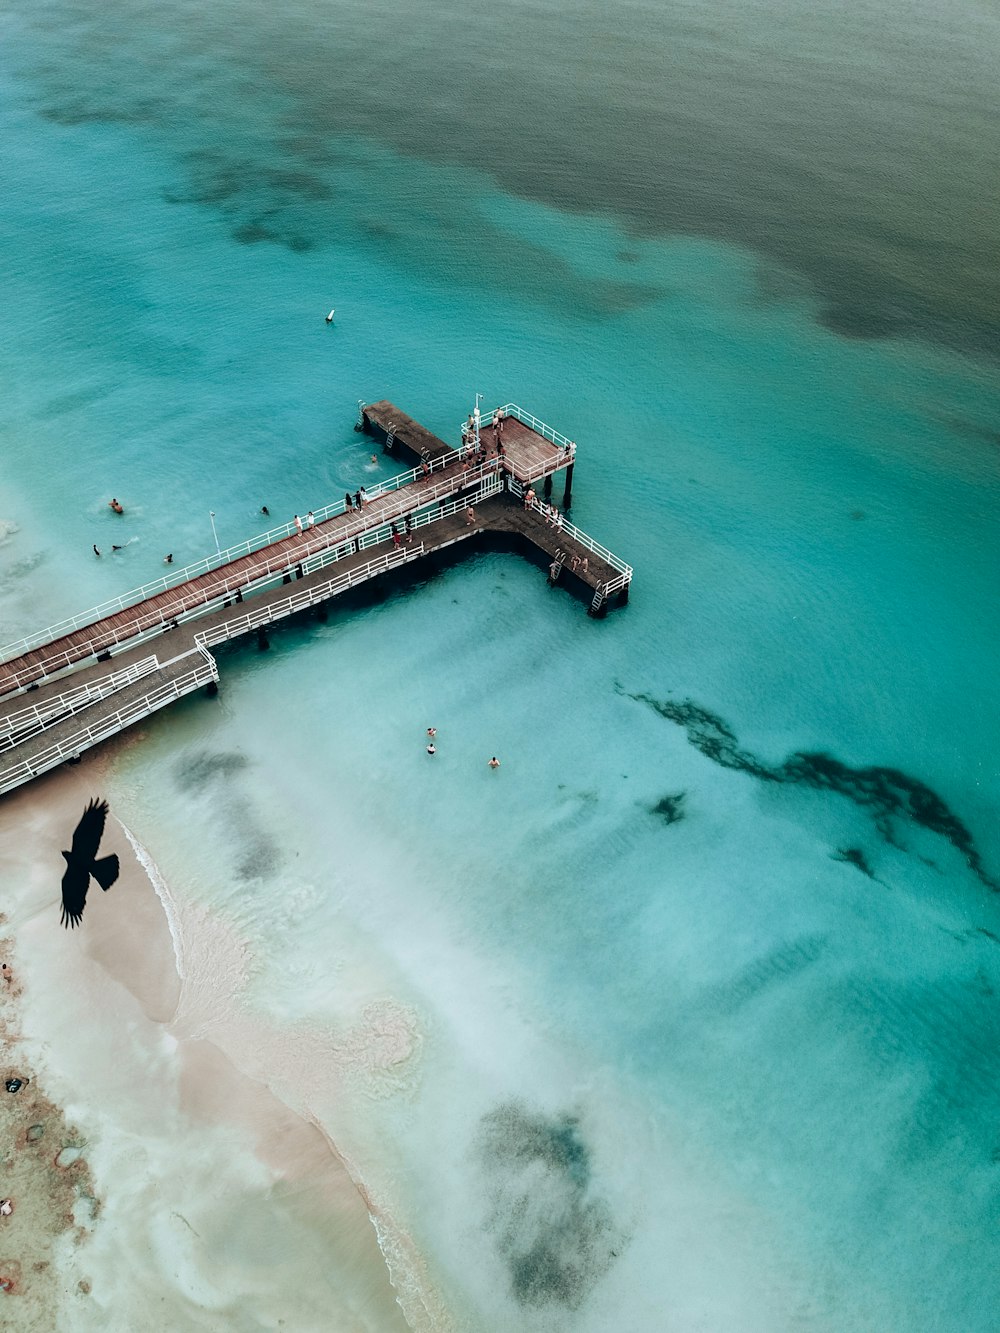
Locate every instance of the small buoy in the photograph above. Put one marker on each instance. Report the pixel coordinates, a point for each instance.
(329, 318)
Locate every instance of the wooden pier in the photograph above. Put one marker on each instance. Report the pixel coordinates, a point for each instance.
(75, 684)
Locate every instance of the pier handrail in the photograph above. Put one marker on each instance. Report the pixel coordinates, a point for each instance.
(179, 610)
(40, 716)
(527, 419)
(299, 601)
(109, 726)
(578, 535)
(609, 557)
(186, 573)
(134, 632)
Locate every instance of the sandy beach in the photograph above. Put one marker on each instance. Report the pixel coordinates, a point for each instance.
(131, 1111)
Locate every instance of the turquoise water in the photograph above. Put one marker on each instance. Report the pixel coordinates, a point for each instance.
(695, 1032)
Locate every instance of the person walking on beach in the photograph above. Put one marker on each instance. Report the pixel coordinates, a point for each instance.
(6, 1207)
(8, 975)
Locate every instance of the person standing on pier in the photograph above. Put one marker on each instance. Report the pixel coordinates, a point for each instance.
(348, 501)
(298, 523)
(310, 519)
(470, 516)
(408, 523)
(360, 497)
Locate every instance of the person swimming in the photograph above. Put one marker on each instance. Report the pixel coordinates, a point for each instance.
(116, 506)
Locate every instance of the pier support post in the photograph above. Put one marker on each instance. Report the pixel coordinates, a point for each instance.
(623, 595)
(547, 487)
(263, 642)
(212, 688)
(568, 492)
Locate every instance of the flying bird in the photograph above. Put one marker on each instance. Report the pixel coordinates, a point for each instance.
(81, 863)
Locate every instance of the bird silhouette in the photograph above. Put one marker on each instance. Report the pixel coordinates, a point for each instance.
(81, 863)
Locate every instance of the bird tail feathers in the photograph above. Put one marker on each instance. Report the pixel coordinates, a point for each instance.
(105, 871)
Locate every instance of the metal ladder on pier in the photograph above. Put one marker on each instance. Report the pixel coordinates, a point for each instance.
(360, 423)
(390, 437)
(600, 597)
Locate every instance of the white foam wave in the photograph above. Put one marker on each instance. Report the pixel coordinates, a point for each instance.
(7, 529)
(162, 892)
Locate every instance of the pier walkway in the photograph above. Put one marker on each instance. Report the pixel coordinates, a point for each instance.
(77, 683)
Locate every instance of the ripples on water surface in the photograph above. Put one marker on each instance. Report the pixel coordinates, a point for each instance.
(696, 994)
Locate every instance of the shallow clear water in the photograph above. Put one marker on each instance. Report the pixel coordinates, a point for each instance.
(690, 1032)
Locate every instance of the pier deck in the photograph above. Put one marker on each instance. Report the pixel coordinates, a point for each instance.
(70, 687)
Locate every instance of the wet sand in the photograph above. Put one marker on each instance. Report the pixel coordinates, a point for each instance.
(244, 1203)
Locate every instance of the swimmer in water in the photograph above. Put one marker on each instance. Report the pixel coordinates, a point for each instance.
(494, 762)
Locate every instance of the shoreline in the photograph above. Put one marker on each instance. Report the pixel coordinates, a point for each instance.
(126, 962)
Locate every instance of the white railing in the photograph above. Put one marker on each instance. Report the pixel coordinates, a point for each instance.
(56, 754)
(42, 715)
(539, 427)
(609, 557)
(488, 483)
(233, 627)
(209, 563)
(300, 601)
(578, 535)
(212, 595)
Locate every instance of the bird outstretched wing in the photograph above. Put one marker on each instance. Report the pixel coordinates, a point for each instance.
(88, 833)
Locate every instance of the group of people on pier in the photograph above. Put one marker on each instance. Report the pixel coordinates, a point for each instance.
(549, 512)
